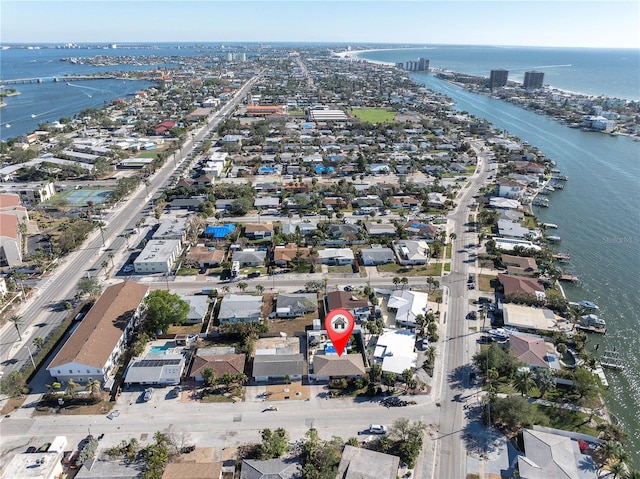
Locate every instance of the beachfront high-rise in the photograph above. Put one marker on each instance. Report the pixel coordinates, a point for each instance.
(498, 78)
(533, 80)
(419, 65)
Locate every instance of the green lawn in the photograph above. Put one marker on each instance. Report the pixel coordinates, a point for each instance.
(148, 154)
(374, 115)
(347, 268)
(433, 269)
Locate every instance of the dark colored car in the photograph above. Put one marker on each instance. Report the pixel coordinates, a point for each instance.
(255, 274)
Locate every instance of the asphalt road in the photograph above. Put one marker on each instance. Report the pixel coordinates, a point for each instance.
(42, 313)
(458, 345)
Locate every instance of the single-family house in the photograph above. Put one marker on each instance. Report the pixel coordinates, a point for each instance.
(205, 256)
(194, 469)
(555, 454)
(332, 366)
(155, 369)
(271, 469)
(520, 265)
(258, 231)
(407, 305)
(285, 255)
(361, 463)
(344, 231)
(377, 255)
(395, 350)
(336, 256)
(436, 200)
(93, 349)
(221, 364)
(508, 188)
(249, 257)
(235, 308)
(379, 230)
(519, 284)
(275, 367)
(411, 252)
(530, 349)
(296, 304)
(360, 308)
(419, 230)
(404, 202)
(306, 229)
(509, 229)
(198, 307)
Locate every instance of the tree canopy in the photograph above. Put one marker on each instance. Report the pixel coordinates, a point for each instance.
(164, 309)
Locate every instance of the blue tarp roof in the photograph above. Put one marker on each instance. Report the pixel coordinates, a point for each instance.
(220, 231)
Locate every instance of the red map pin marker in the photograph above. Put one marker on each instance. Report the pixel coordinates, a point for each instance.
(339, 324)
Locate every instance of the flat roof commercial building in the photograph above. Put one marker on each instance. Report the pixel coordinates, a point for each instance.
(157, 256)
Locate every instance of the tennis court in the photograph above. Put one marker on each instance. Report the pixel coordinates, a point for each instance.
(80, 197)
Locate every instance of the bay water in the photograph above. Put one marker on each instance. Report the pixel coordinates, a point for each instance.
(597, 213)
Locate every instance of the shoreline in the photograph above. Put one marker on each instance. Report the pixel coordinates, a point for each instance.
(350, 54)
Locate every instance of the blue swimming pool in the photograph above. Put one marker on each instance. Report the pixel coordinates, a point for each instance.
(158, 349)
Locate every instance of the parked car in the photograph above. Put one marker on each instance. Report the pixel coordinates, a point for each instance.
(128, 268)
(255, 274)
(377, 429)
(147, 394)
(270, 408)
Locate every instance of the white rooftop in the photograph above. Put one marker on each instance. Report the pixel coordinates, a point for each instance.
(395, 350)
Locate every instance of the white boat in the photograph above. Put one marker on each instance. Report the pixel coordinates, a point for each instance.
(593, 320)
(7, 125)
(554, 239)
(588, 305)
(33, 115)
(499, 334)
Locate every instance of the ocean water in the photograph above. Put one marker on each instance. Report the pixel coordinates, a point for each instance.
(597, 212)
(609, 72)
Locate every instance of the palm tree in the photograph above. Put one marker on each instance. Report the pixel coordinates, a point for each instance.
(259, 288)
(93, 387)
(523, 381)
(396, 281)
(617, 468)
(72, 386)
(38, 342)
(17, 321)
(430, 355)
(242, 286)
(544, 380)
(631, 474)
(404, 281)
(111, 255)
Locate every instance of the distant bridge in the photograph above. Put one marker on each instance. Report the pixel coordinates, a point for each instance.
(70, 78)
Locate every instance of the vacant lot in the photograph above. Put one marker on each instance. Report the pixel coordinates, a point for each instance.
(375, 115)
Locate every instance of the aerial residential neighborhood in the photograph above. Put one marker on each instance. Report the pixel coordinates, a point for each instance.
(168, 262)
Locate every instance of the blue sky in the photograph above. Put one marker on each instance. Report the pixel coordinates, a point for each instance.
(509, 22)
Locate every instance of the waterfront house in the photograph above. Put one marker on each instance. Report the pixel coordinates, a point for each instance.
(93, 349)
(513, 284)
(520, 265)
(553, 453)
(532, 350)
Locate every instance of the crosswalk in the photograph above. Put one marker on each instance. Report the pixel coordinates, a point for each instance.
(48, 282)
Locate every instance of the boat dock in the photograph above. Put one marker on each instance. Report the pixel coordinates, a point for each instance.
(562, 257)
(612, 360)
(591, 329)
(571, 278)
(600, 373)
